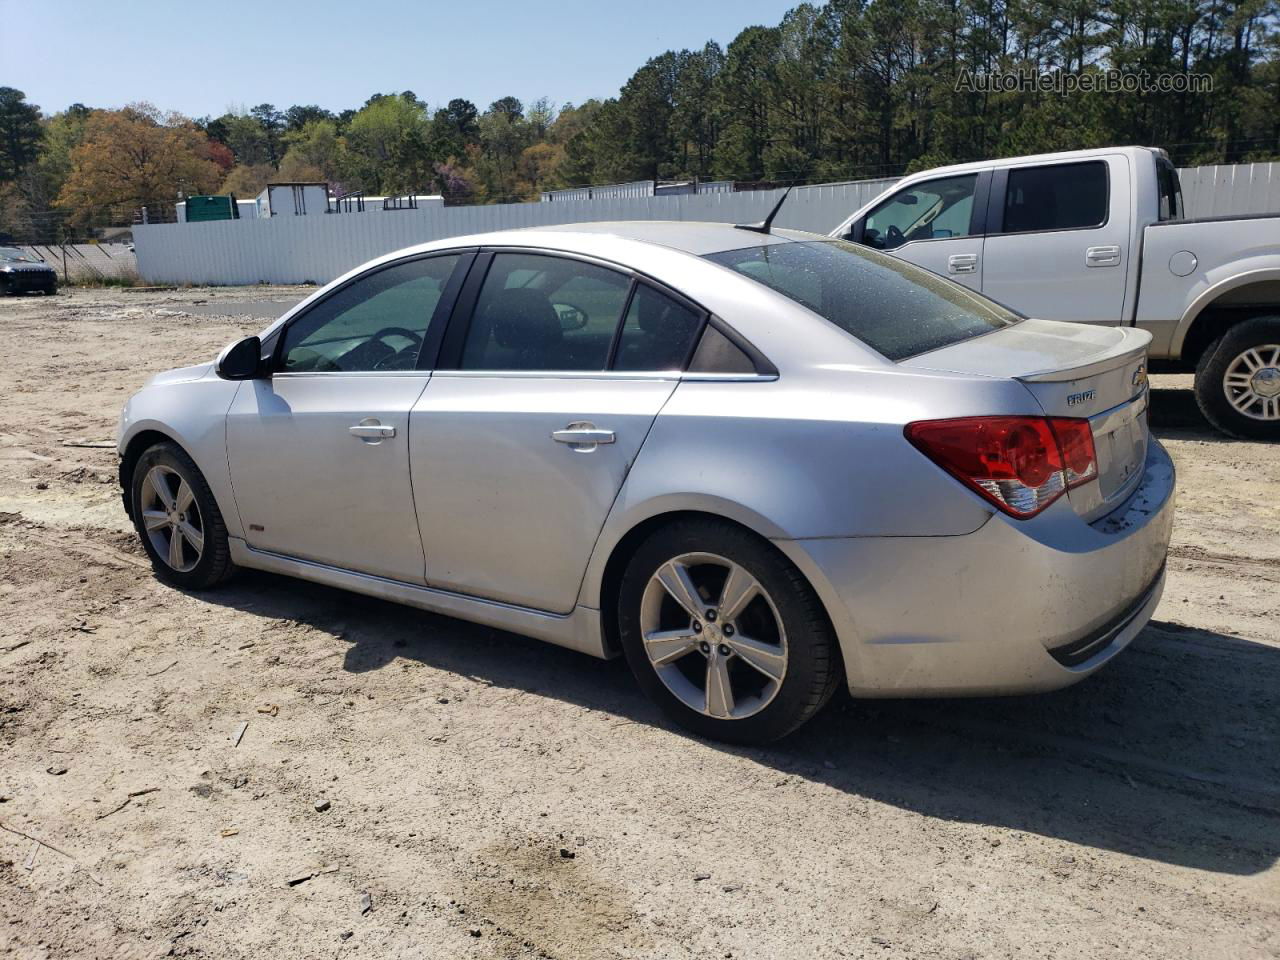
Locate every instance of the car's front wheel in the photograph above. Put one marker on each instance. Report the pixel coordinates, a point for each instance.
(1238, 380)
(178, 520)
(724, 633)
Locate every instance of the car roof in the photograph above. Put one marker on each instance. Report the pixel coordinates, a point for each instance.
(690, 236)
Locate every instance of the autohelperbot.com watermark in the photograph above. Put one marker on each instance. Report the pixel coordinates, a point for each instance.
(1064, 84)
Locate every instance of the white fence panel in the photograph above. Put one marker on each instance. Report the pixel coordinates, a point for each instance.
(315, 249)
(1231, 189)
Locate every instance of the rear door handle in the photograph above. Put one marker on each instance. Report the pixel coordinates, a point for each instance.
(583, 437)
(1104, 256)
(370, 429)
(962, 263)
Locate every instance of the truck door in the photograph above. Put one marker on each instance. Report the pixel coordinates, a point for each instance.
(935, 224)
(1057, 242)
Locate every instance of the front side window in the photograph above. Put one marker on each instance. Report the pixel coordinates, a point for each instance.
(539, 312)
(895, 308)
(1066, 196)
(376, 323)
(933, 210)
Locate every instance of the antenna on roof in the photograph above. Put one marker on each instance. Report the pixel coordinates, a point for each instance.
(764, 225)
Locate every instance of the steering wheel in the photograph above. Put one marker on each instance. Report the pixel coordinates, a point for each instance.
(415, 341)
(409, 335)
(893, 236)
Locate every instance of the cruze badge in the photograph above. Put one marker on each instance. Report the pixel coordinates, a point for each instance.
(1140, 375)
(1075, 398)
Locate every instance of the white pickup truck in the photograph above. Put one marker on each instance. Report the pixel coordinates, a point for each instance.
(1098, 236)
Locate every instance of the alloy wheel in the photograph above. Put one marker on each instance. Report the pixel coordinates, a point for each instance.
(172, 518)
(1252, 382)
(713, 636)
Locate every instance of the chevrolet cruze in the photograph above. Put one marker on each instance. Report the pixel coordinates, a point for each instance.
(757, 463)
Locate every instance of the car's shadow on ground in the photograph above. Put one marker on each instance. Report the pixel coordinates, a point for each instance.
(1170, 753)
(1174, 415)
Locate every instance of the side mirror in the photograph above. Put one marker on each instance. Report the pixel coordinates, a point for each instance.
(240, 361)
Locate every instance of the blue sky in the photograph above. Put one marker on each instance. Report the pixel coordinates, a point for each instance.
(202, 58)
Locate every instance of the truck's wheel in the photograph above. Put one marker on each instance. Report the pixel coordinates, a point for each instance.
(1238, 380)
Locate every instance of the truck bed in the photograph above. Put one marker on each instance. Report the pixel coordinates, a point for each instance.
(1183, 260)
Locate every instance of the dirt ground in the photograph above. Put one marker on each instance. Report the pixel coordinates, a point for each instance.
(491, 797)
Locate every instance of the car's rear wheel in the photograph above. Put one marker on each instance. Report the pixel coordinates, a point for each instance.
(724, 633)
(178, 520)
(1238, 380)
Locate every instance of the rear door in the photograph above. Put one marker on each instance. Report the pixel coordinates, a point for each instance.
(319, 451)
(936, 224)
(552, 372)
(1057, 242)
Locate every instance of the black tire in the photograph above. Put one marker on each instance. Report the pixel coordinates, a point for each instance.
(214, 564)
(813, 665)
(1212, 369)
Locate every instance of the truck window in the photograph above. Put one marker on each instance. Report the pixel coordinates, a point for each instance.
(1065, 196)
(933, 210)
(1170, 191)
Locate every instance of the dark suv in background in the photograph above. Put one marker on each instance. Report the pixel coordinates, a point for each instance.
(19, 273)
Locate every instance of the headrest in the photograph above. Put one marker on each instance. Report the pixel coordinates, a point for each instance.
(658, 315)
(523, 319)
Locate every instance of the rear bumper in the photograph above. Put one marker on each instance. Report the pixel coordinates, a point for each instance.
(1014, 607)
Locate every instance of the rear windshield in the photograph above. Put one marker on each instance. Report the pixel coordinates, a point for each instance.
(895, 308)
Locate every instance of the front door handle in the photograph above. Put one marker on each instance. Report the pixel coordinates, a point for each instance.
(1104, 256)
(583, 436)
(371, 429)
(962, 263)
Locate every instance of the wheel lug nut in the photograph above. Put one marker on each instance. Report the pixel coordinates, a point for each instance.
(711, 615)
(727, 629)
(704, 647)
(724, 651)
(697, 627)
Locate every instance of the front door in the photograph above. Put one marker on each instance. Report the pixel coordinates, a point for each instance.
(319, 451)
(936, 224)
(520, 450)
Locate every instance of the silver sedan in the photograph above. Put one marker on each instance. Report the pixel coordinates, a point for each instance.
(756, 463)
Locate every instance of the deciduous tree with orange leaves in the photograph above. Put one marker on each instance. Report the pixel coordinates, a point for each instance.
(136, 157)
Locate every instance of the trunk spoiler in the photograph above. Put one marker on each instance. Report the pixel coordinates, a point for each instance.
(1131, 346)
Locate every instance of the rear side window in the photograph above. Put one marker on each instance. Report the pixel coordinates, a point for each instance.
(1170, 191)
(658, 333)
(895, 308)
(716, 353)
(1066, 196)
(537, 312)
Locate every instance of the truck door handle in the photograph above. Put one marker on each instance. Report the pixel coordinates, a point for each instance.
(583, 437)
(962, 263)
(1104, 256)
(370, 429)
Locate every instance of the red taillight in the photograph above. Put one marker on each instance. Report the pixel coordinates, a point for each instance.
(1021, 464)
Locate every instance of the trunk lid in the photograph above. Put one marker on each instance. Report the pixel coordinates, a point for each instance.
(1073, 370)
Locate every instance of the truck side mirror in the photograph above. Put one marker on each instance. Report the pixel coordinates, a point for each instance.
(242, 360)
